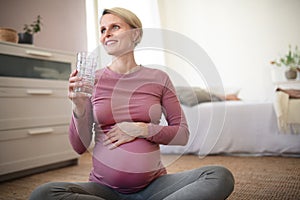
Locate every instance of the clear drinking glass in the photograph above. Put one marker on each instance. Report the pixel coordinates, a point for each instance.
(86, 66)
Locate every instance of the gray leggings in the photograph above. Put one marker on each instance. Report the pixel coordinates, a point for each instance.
(210, 182)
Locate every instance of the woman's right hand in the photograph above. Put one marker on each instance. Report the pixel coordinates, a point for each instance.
(78, 99)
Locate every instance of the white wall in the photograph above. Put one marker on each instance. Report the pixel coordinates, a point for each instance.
(64, 21)
(240, 36)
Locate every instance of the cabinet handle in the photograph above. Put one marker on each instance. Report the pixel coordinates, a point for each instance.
(39, 92)
(38, 131)
(39, 53)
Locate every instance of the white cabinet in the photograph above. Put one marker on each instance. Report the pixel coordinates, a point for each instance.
(35, 111)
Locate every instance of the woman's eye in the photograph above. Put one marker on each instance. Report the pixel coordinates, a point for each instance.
(116, 27)
(102, 30)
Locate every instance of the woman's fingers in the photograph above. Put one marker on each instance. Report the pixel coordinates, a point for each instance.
(115, 137)
(73, 78)
(113, 140)
(74, 82)
(111, 137)
(115, 144)
(74, 73)
(110, 140)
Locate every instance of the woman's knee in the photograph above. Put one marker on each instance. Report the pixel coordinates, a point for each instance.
(226, 174)
(51, 190)
(42, 191)
(226, 179)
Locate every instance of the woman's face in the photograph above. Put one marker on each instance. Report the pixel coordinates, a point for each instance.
(116, 35)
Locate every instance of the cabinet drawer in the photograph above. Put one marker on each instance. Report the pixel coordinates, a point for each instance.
(16, 66)
(35, 63)
(32, 132)
(33, 92)
(33, 147)
(27, 112)
(21, 108)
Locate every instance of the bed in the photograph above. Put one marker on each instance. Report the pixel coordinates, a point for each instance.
(235, 128)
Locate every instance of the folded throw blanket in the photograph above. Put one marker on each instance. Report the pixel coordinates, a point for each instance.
(287, 111)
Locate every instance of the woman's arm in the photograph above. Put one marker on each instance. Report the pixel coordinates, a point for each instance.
(80, 129)
(177, 132)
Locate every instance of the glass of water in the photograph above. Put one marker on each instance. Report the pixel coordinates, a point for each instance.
(86, 65)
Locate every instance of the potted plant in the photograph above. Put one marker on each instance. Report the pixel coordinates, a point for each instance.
(29, 30)
(291, 60)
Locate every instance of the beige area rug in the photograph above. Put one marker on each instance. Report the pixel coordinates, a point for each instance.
(263, 178)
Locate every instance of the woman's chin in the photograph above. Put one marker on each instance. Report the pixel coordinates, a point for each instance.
(117, 52)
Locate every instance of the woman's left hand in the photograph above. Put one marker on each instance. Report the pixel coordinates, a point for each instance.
(125, 132)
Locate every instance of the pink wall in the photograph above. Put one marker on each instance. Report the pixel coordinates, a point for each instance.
(64, 21)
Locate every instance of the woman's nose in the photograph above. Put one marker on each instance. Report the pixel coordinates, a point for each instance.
(107, 33)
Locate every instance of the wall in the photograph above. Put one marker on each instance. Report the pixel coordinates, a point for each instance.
(240, 36)
(64, 21)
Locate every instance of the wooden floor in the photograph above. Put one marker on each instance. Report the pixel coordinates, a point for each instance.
(256, 177)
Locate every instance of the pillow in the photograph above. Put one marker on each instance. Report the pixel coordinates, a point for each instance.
(191, 96)
(225, 90)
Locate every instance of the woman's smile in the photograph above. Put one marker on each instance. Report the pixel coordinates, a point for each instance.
(110, 42)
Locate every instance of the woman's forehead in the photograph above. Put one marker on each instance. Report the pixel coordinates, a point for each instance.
(109, 19)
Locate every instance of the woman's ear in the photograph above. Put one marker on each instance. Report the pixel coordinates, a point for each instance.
(136, 36)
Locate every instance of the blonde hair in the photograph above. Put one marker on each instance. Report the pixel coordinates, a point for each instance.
(129, 18)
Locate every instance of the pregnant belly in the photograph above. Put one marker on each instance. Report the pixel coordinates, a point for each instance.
(129, 167)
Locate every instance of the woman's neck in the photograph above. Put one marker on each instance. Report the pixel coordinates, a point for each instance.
(123, 64)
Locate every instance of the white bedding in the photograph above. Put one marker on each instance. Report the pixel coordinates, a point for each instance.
(235, 127)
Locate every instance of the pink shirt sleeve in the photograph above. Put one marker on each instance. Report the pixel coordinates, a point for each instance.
(177, 132)
(80, 130)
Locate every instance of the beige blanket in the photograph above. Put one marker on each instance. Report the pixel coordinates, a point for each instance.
(287, 112)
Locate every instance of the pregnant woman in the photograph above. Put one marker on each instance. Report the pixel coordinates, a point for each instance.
(124, 113)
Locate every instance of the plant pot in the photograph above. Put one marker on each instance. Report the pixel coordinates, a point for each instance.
(25, 38)
(291, 74)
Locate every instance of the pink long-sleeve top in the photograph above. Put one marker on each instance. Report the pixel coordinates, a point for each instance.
(140, 96)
